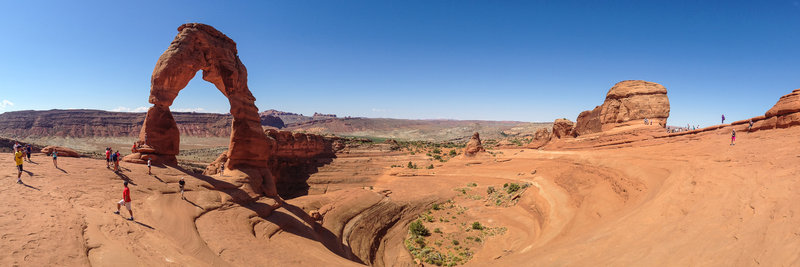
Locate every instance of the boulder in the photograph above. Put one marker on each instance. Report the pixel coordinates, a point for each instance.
(785, 113)
(62, 151)
(474, 145)
(627, 103)
(562, 128)
(540, 138)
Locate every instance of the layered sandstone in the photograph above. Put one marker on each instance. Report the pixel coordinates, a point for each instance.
(293, 158)
(562, 128)
(474, 145)
(785, 113)
(540, 138)
(201, 47)
(627, 103)
(62, 151)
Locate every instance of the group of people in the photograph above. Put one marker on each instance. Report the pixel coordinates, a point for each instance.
(112, 157)
(23, 152)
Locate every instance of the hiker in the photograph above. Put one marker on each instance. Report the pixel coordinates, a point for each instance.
(55, 158)
(133, 148)
(108, 158)
(148, 167)
(126, 200)
(16, 146)
(750, 128)
(733, 137)
(645, 121)
(181, 184)
(28, 150)
(116, 161)
(18, 155)
(723, 118)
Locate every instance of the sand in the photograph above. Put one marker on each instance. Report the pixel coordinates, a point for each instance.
(691, 200)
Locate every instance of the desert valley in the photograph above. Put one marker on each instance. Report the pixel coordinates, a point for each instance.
(618, 185)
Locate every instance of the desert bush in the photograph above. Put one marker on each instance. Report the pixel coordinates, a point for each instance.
(453, 153)
(477, 226)
(513, 187)
(437, 151)
(490, 190)
(455, 242)
(472, 184)
(436, 206)
(416, 228)
(430, 167)
(437, 230)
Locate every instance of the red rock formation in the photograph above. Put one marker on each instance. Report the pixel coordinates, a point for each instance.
(540, 138)
(562, 128)
(474, 145)
(62, 151)
(201, 47)
(293, 158)
(785, 113)
(627, 103)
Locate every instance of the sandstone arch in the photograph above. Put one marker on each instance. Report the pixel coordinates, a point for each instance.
(201, 47)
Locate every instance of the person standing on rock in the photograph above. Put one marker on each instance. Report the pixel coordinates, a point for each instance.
(148, 167)
(750, 128)
(733, 137)
(55, 158)
(126, 200)
(181, 184)
(18, 160)
(133, 148)
(115, 157)
(723, 118)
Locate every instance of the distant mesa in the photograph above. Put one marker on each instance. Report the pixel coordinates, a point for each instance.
(272, 121)
(627, 103)
(474, 145)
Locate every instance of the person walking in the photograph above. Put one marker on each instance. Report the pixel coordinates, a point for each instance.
(750, 128)
(733, 137)
(55, 158)
(108, 158)
(723, 118)
(28, 150)
(115, 160)
(125, 201)
(148, 167)
(181, 184)
(18, 155)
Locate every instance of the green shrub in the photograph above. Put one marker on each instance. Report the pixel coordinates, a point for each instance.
(416, 228)
(436, 206)
(477, 226)
(490, 190)
(513, 187)
(410, 165)
(437, 230)
(437, 151)
(472, 184)
(430, 167)
(455, 242)
(453, 153)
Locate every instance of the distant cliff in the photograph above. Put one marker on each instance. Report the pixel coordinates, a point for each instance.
(99, 123)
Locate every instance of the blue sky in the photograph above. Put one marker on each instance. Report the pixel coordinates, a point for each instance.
(492, 60)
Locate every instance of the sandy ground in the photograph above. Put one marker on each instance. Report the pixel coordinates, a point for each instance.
(691, 200)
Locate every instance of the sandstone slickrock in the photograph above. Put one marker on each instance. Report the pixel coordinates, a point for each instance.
(785, 113)
(628, 102)
(201, 47)
(62, 151)
(474, 145)
(562, 128)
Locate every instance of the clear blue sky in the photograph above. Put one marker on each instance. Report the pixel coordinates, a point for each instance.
(493, 60)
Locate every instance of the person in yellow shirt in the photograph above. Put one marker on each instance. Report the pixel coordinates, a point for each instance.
(18, 155)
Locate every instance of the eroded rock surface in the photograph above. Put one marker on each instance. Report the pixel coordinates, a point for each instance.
(627, 103)
(62, 151)
(201, 47)
(562, 128)
(785, 113)
(474, 145)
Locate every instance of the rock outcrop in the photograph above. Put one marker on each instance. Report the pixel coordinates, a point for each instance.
(293, 158)
(474, 145)
(201, 47)
(62, 151)
(540, 138)
(627, 103)
(562, 128)
(785, 113)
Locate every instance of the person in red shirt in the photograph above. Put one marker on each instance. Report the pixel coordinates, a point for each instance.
(126, 200)
(108, 157)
